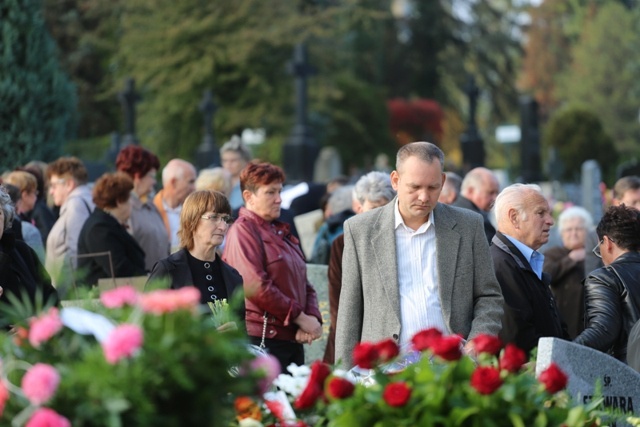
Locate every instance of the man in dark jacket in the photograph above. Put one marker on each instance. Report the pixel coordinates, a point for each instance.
(612, 293)
(530, 312)
(479, 190)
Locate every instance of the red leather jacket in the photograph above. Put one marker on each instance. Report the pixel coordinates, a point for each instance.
(273, 268)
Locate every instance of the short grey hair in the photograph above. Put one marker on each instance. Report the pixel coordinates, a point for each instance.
(236, 145)
(217, 178)
(374, 187)
(175, 168)
(7, 207)
(453, 182)
(575, 212)
(512, 197)
(425, 151)
(475, 178)
(340, 200)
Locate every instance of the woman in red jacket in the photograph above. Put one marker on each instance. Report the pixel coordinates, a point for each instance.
(281, 305)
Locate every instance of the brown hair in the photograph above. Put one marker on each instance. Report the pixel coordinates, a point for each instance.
(68, 167)
(23, 180)
(111, 189)
(194, 206)
(257, 174)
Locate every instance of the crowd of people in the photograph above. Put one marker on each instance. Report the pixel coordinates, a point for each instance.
(414, 249)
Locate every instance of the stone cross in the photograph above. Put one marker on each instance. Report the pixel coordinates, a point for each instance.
(128, 99)
(207, 153)
(300, 150)
(470, 141)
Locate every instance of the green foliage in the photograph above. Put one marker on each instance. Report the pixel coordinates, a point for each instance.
(577, 135)
(605, 74)
(37, 104)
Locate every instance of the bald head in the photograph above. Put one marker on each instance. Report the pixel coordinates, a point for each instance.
(178, 181)
(481, 187)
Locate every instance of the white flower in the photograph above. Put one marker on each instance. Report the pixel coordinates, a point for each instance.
(249, 422)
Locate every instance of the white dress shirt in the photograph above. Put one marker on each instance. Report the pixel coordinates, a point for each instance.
(173, 216)
(420, 306)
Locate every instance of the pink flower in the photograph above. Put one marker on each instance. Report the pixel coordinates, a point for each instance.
(4, 396)
(168, 300)
(269, 367)
(122, 342)
(40, 383)
(118, 297)
(44, 327)
(45, 417)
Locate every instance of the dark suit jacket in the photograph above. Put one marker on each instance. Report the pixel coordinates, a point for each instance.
(566, 284)
(463, 202)
(21, 273)
(101, 232)
(334, 274)
(530, 310)
(176, 268)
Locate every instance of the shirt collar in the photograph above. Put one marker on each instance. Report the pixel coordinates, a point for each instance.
(533, 257)
(400, 222)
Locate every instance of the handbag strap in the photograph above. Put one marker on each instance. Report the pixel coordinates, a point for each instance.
(264, 330)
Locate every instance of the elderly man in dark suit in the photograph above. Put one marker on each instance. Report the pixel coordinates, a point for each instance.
(530, 311)
(415, 264)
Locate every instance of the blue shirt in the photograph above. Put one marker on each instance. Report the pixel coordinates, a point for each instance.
(535, 258)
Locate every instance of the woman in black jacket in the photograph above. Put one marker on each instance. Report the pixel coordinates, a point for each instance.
(105, 248)
(21, 273)
(204, 221)
(612, 293)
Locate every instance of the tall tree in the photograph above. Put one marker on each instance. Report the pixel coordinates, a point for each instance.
(87, 35)
(576, 134)
(605, 74)
(37, 104)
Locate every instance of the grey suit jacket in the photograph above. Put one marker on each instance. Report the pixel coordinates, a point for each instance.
(369, 308)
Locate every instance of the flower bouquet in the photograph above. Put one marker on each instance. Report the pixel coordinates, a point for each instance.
(135, 359)
(441, 387)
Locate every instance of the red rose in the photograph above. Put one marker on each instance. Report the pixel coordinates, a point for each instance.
(447, 348)
(424, 339)
(484, 343)
(553, 379)
(340, 388)
(396, 394)
(486, 379)
(512, 358)
(319, 373)
(365, 355)
(387, 350)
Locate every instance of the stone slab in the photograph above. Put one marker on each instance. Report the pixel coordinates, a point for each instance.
(587, 367)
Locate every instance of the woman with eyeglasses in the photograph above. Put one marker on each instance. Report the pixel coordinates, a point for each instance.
(282, 308)
(565, 265)
(204, 221)
(612, 293)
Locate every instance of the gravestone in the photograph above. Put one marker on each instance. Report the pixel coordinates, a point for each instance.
(328, 165)
(317, 275)
(591, 177)
(586, 367)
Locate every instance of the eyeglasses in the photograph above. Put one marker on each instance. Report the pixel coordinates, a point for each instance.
(57, 182)
(217, 218)
(596, 250)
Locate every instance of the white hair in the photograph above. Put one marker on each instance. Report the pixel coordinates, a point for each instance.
(374, 187)
(512, 198)
(575, 212)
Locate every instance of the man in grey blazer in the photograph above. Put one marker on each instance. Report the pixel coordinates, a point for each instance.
(415, 264)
